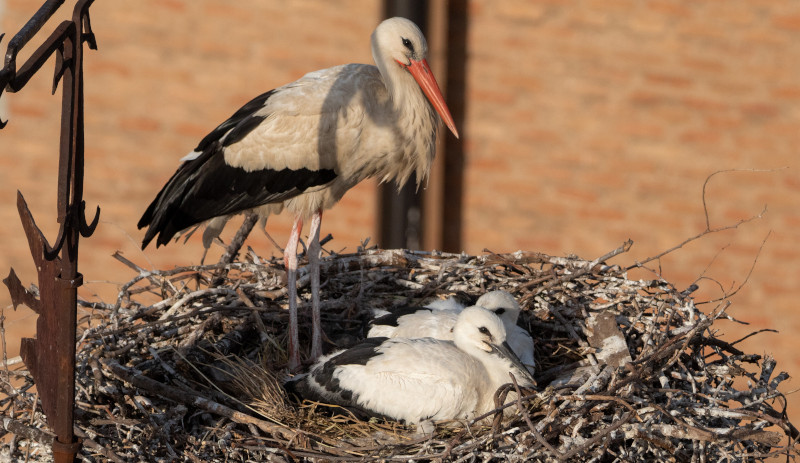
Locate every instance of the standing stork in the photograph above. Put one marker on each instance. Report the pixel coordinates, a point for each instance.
(303, 145)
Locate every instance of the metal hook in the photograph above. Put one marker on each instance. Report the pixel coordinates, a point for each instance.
(87, 34)
(88, 229)
(61, 66)
(5, 78)
(51, 252)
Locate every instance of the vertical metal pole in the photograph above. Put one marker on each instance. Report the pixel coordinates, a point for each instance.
(401, 212)
(50, 356)
(68, 281)
(453, 152)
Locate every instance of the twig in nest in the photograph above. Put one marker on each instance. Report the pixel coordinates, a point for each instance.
(727, 295)
(625, 247)
(139, 380)
(708, 179)
(536, 434)
(708, 229)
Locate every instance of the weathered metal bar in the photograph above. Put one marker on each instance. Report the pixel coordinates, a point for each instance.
(21, 77)
(50, 357)
(30, 29)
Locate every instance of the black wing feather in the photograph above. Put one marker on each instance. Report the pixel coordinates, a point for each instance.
(246, 111)
(359, 354)
(392, 319)
(207, 187)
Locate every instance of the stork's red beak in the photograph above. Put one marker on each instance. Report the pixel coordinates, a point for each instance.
(424, 77)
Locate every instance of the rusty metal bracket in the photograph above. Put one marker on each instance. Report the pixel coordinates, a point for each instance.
(50, 356)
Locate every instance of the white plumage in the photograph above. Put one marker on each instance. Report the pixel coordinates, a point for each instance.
(415, 380)
(303, 145)
(438, 318)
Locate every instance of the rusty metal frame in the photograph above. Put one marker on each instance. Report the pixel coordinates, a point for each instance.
(50, 356)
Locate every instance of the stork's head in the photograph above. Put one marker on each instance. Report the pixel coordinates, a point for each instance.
(480, 333)
(401, 40)
(397, 43)
(503, 304)
(478, 329)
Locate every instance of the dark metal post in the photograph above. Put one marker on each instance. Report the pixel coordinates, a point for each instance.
(453, 152)
(401, 212)
(50, 357)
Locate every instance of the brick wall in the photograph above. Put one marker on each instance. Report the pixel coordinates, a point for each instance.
(587, 123)
(593, 122)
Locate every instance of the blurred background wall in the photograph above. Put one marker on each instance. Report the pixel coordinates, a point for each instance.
(584, 123)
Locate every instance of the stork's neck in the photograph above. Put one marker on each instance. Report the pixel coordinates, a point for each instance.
(496, 366)
(496, 375)
(416, 124)
(498, 369)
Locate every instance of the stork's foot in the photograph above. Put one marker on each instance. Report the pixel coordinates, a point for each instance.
(316, 352)
(314, 249)
(290, 260)
(293, 366)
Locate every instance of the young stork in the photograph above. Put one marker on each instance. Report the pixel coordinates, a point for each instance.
(419, 380)
(437, 319)
(303, 145)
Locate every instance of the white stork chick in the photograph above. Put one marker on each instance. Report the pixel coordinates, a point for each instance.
(303, 145)
(437, 319)
(446, 304)
(422, 379)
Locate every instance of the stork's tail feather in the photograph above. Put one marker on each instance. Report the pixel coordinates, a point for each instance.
(299, 389)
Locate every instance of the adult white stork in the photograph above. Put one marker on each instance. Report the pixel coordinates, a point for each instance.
(303, 145)
(422, 379)
(437, 320)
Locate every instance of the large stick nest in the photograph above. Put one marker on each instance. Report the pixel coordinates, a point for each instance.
(187, 363)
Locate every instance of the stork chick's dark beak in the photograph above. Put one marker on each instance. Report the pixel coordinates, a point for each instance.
(504, 350)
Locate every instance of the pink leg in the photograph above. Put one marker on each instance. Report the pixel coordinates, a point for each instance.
(313, 261)
(290, 261)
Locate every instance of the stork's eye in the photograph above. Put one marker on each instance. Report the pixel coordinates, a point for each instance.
(500, 311)
(407, 43)
(484, 330)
